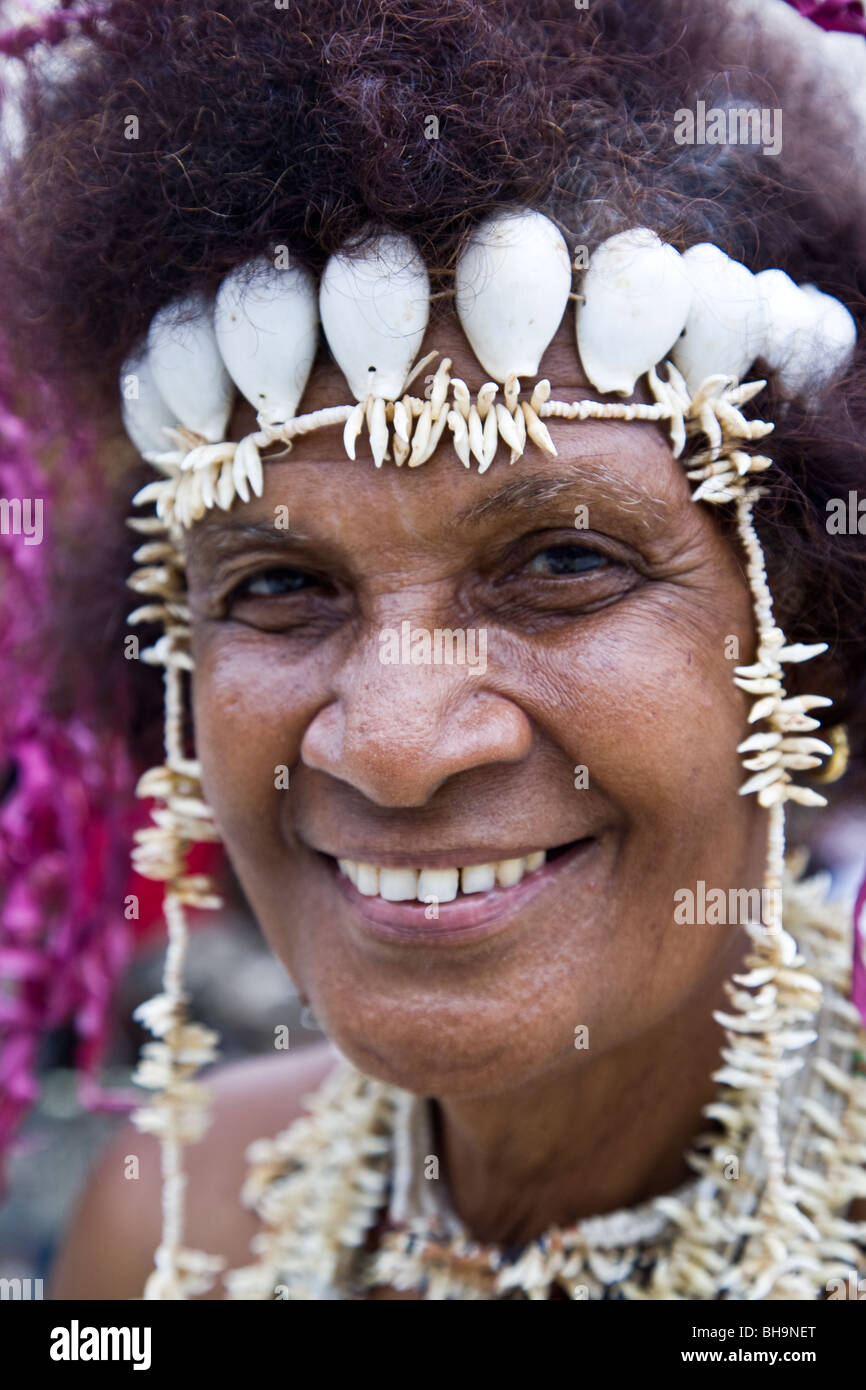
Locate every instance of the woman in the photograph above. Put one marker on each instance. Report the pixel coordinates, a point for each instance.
(489, 876)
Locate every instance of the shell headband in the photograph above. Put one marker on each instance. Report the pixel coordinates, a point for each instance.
(702, 316)
(641, 302)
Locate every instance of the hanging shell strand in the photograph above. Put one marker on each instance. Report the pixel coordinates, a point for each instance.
(178, 1113)
(776, 1021)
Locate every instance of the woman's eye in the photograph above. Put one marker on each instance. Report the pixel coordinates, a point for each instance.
(558, 560)
(284, 599)
(274, 583)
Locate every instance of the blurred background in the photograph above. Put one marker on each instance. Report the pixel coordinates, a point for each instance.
(238, 988)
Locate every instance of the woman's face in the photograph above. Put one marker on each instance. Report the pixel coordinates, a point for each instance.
(595, 709)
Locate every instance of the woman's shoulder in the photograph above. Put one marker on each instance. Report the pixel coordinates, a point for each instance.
(108, 1249)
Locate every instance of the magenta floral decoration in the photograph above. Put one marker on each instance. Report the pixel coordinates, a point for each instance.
(64, 788)
(840, 16)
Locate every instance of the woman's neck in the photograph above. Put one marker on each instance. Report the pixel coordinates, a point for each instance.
(596, 1135)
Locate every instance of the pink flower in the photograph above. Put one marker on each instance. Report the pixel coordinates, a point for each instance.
(841, 16)
(64, 790)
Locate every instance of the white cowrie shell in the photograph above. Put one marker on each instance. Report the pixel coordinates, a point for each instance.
(143, 408)
(512, 282)
(789, 341)
(835, 332)
(635, 303)
(809, 334)
(725, 328)
(187, 366)
(374, 307)
(267, 327)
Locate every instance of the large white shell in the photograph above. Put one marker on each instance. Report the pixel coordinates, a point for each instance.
(809, 334)
(791, 321)
(187, 366)
(724, 331)
(512, 281)
(143, 409)
(267, 327)
(374, 307)
(836, 330)
(635, 302)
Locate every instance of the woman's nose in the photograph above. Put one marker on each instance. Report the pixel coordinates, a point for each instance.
(397, 729)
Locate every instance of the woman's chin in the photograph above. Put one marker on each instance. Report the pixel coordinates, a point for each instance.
(447, 1053)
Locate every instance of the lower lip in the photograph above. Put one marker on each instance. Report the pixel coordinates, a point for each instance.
(468, 918)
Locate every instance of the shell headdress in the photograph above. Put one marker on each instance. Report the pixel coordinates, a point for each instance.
(688, 325)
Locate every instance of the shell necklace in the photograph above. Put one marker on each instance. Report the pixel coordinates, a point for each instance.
(322, 1186)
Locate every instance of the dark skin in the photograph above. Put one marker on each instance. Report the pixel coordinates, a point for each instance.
(605, 649)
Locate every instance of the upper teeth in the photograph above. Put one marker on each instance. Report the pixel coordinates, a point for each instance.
(441, 885)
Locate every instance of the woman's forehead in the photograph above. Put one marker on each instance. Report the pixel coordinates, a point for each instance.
(607, 475)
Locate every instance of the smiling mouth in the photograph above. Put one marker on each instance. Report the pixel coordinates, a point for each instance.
(469, 896)
(441, 885)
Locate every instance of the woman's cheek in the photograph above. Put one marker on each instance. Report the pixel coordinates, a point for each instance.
(648, 707)
(249, 715)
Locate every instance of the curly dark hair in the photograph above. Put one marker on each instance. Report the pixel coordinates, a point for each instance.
(183, 139)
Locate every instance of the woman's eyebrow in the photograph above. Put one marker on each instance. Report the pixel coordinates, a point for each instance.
(216, 534)
(594, 484)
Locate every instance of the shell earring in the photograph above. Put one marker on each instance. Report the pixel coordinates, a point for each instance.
(837, 764)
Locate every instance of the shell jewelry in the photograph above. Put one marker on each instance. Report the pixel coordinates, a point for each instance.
(691, 326)
(320, 1186)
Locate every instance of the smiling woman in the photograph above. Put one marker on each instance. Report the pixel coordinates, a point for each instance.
(403, 773)
(540, 1082)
